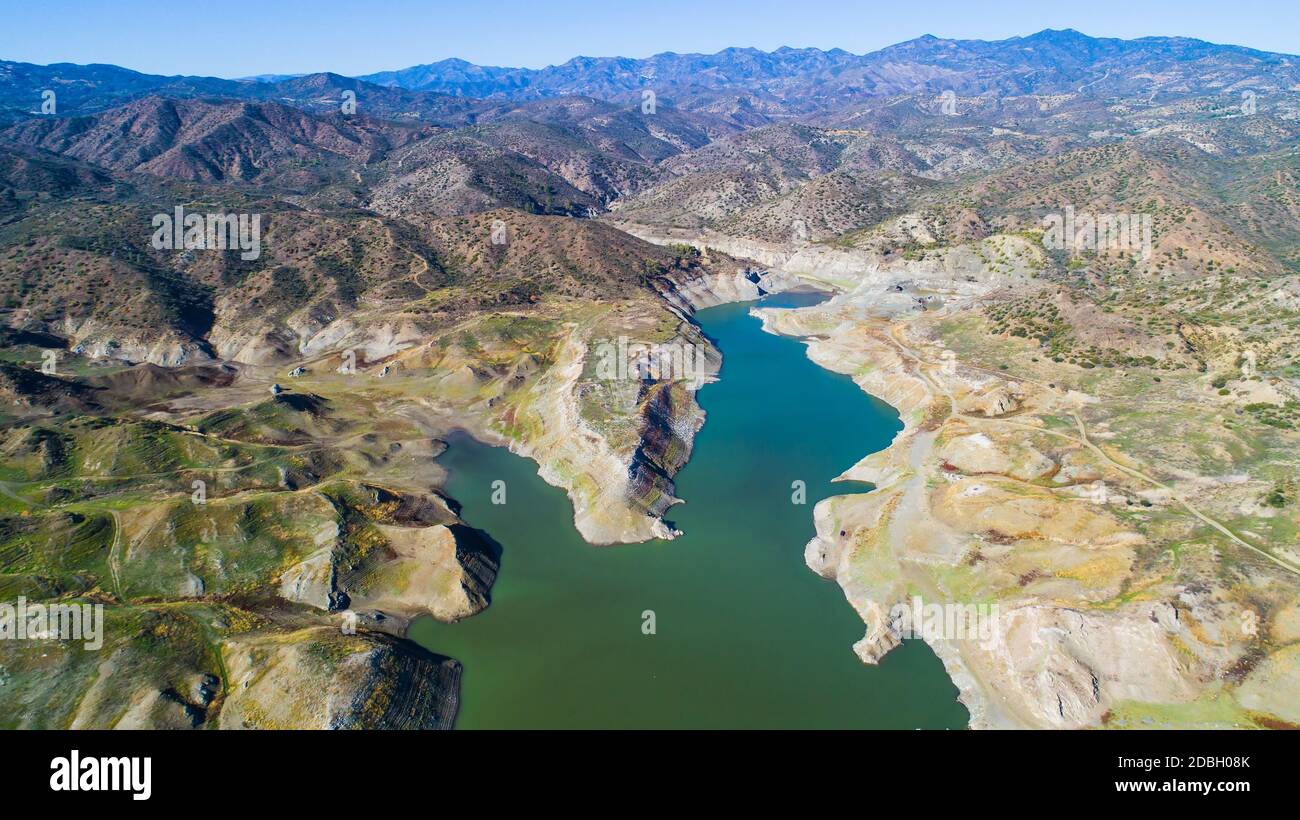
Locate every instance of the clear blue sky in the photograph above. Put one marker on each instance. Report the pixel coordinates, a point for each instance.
(234, 38)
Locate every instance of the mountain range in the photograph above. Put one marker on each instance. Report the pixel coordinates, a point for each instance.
(442, 246)
(781, 82)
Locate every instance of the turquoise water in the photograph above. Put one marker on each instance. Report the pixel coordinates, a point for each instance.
(746, 635)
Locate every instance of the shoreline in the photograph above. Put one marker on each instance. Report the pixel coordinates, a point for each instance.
(970, 692)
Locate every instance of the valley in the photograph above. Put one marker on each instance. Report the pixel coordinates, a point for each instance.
(275, 468)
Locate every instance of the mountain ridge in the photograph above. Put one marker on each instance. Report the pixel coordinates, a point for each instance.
(922, 64)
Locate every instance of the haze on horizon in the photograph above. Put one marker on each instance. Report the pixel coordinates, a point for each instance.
(298, 37)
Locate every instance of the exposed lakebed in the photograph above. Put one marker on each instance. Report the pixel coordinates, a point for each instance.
(746, 635)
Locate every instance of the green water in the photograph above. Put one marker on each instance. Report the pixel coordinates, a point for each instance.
(745, 634)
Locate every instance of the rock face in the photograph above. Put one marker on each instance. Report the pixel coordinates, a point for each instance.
(976, 453)
(996, 402)
(311, 581)
(671, 418)
(318, 678)
(718, 289)
(1065, 668)
(402, 555)
(808, 260)
(444, 571)
(158, 346)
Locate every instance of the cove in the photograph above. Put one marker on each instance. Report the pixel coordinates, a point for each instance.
(746, 636)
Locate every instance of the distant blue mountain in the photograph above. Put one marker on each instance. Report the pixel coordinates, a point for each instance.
(1046, 62)
(785, 81)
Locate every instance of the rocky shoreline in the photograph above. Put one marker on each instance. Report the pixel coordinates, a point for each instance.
(979, 502)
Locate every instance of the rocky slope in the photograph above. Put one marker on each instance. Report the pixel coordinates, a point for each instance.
(1123, 598)
(323, 680)
(215, 141)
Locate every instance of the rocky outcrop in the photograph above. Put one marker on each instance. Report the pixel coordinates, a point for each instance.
(98, 340)
(320, 678)
(691, 294)
(443, 571)
(397, 555)
(670, 420)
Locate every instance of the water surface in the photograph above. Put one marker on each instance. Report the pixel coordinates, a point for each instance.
(745, 634)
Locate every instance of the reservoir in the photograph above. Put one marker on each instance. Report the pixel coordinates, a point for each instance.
(745, 635)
